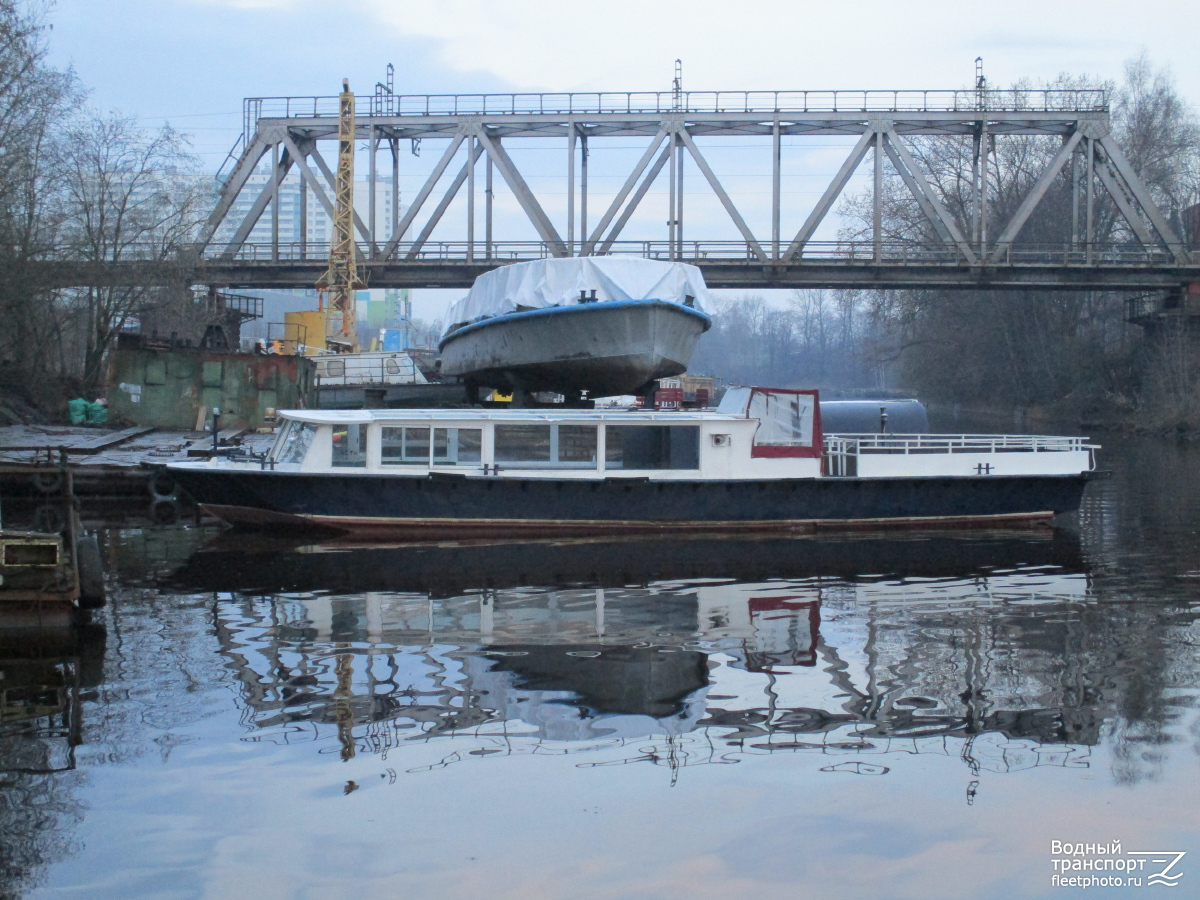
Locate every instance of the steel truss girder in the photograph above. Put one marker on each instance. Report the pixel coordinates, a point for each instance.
(832, 192)
(1119, 180)
(233, 186)
(299, 155)
(278, 173)
(721, 195)
(359, 225)
(423, 194)
(619, 199)
(1116, 159)
(524, 195)
(931, 206)
(735, 274)
(444, 204)
(1112, 183)
(643, 188)
(295, 153)
(298, 137)
(1034, 197)
(758, 129)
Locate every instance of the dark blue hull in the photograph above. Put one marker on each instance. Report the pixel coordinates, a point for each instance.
(455, 504)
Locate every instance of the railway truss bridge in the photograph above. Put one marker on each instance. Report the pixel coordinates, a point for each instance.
(963, 247)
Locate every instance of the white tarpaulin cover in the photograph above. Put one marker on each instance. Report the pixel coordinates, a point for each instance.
(557, 282)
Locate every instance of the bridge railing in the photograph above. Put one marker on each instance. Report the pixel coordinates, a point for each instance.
(851, 253)
(855, 253)
(666, 102)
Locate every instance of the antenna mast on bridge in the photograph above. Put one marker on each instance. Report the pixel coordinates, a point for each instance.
(342, 278)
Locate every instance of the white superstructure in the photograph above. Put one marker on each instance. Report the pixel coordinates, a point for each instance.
(773, 434)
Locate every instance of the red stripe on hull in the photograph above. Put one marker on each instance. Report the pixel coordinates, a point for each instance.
(501, 528)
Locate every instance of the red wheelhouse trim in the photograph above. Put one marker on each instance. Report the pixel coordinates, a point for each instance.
(776, 451)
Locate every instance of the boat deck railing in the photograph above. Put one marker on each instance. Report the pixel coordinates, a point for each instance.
(952, 443)
(842, 450)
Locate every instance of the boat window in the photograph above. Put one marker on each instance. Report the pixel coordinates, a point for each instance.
(547, 446)
(652, 447)
(350, 445)
(294, 442)
(335, 368)
(575, 445)
(457, 446)
(405, 446)
(282, 433)
(522, 443)
(784, 419)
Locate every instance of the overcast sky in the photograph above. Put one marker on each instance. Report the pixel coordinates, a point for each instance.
(190, 62)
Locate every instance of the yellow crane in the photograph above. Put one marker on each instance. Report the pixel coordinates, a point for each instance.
(336, 288)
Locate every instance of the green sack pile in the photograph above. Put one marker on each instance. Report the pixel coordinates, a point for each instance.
(78, 410)
(84, 413)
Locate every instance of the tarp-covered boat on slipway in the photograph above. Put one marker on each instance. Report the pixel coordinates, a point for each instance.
(602, 324)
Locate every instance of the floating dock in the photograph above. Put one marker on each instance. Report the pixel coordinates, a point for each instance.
(107, 463)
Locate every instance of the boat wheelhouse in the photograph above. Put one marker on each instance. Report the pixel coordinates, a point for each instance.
(758, 462)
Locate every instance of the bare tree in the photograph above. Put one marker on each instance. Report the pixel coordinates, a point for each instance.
(1159, 134)
(35, 100)
(132, 197)
(816, 340)
(1030, 347)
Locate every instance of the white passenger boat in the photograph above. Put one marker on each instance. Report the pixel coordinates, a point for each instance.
(759, 462)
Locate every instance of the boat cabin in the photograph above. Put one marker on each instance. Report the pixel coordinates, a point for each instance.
(576, 444)
(756, 433)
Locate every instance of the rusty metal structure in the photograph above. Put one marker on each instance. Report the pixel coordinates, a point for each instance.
(473, 131)
(177, 387)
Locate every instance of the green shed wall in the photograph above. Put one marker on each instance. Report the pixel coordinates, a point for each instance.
(167, 388)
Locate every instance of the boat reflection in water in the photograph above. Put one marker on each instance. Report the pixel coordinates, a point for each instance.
(421, 656)
(248, 563)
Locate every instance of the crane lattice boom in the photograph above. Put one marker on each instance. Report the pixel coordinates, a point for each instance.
(342, 278)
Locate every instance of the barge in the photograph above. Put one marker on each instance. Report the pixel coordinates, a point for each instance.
(758, 463)
(606, 325)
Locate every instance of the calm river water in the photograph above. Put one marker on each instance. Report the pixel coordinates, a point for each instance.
(912, 716)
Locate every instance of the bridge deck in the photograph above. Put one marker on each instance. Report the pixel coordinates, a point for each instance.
(724, 264)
